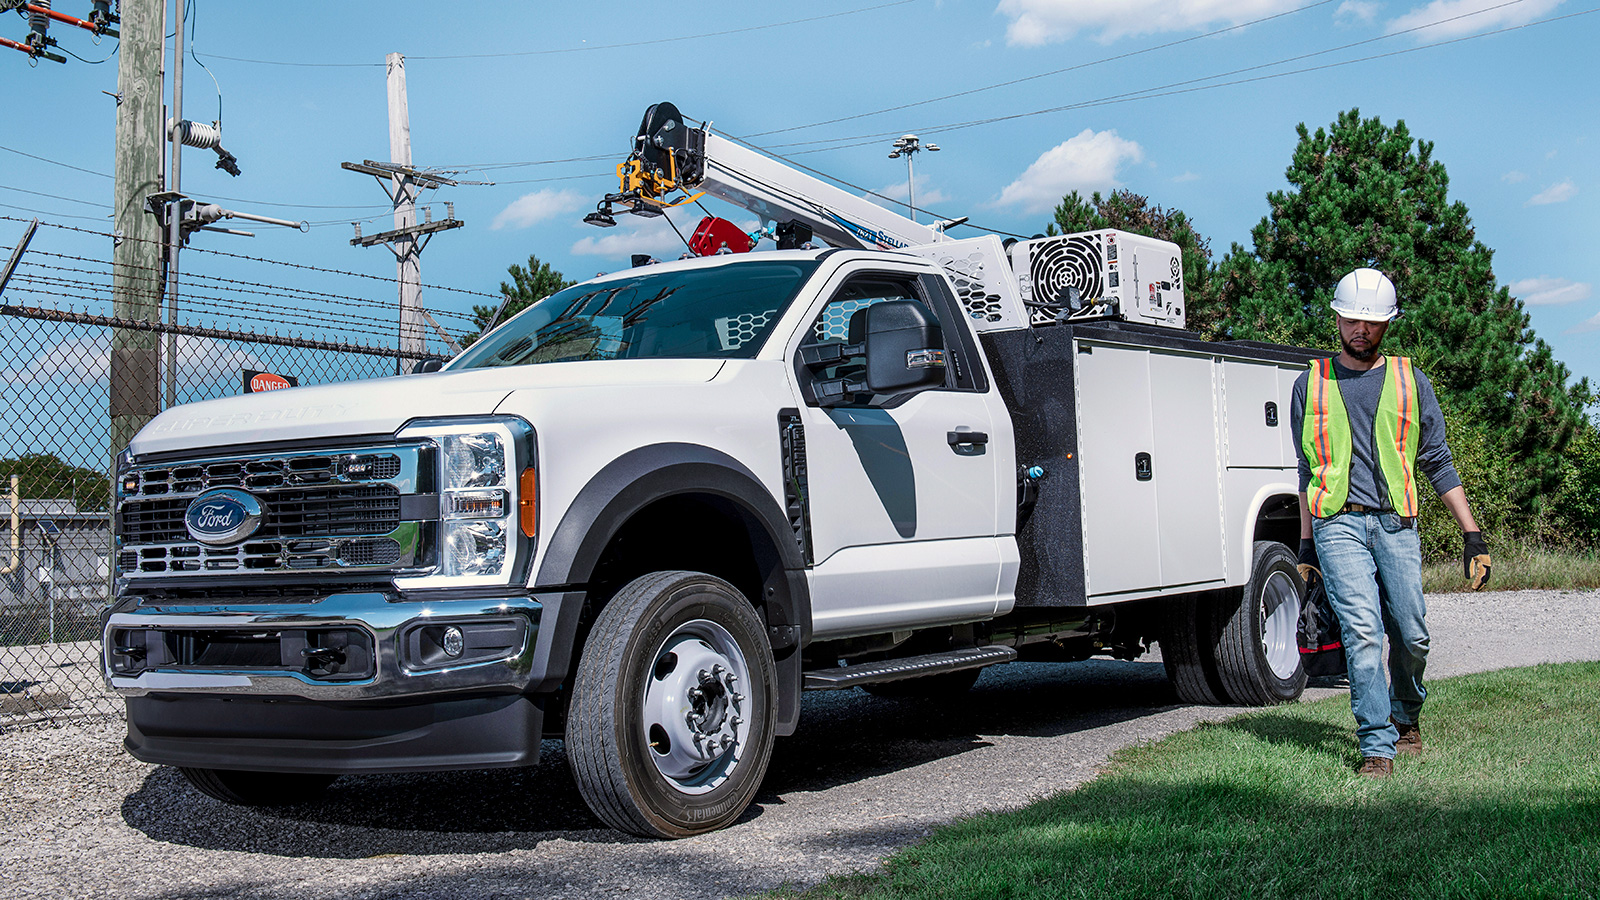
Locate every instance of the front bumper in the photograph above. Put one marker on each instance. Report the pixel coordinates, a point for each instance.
(401, 707)
(387, 634)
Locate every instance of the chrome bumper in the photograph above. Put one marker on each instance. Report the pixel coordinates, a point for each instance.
(396, 671)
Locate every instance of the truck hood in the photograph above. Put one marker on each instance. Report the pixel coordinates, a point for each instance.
(383, 405)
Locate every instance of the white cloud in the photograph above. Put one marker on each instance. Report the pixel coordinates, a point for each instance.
(88, 361)
(1087, 162)
(1586, 326)
(926, 196)
(1514, 177)
(1186, 176)
(1038, 22)
(1468, 17)
(1555, 193)
(1547, 291)
(1356, 11)
(634, 235)
(531, 209)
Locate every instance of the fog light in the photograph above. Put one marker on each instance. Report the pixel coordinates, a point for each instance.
(454, 642)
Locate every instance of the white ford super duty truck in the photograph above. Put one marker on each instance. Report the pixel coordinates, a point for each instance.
(650, 510)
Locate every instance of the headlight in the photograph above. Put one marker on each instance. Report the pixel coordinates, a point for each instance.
(482, 466)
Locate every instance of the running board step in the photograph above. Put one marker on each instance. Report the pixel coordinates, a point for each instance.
(907, 667)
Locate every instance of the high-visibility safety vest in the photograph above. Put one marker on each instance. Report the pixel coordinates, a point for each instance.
(1325, 438)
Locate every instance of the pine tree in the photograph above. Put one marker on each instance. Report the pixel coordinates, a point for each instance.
(1127, 211)
(527, 286)
(1365, 194)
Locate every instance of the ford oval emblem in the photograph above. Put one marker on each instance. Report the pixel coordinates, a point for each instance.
(223, 516)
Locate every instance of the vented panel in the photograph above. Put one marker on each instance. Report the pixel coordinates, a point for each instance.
(980, 272)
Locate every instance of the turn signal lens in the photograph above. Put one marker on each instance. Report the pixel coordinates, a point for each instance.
(527, 503)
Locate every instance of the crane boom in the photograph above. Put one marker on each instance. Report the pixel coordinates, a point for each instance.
(670, 157)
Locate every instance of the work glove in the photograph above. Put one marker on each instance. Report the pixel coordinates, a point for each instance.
(1474, 559)
(1308, 562)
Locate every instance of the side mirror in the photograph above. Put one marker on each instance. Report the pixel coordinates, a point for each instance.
(431, 364)
(905, 347)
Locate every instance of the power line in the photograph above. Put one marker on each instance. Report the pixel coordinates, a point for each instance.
(1096, 62)
(7, 187)
(54, 163)
(1182, 87)
(621, 46)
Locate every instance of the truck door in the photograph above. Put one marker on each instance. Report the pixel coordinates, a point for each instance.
(904, 490)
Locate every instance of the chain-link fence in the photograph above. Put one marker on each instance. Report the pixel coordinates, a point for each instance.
(75, 385)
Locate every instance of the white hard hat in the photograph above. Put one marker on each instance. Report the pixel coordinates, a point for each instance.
(1365, 294)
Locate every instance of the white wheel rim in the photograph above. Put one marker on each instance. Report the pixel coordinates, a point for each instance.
(1280, 625)
(696, 718)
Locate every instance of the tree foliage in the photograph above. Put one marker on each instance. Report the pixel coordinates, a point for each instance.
(1362, 193)
(43, 476)
(528, 285)
(1127, 211)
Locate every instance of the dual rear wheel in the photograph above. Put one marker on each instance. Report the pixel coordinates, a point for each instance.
(1239, 646)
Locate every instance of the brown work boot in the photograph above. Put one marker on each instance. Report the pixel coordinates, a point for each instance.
(1410, 740)
(1375, 767)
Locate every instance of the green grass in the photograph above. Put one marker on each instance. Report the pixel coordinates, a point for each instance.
(1520, 567)
(1504, 802)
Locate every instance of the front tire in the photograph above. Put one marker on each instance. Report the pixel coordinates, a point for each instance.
(1258, 653)
(671, 724)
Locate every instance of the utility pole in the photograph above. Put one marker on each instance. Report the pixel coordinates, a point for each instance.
(174, 220)
(136, 255)
(408, 237)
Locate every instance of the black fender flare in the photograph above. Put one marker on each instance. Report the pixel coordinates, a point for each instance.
(647, 474)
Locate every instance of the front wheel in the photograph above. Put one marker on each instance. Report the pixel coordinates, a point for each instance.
(671, 724)
(1258, 653)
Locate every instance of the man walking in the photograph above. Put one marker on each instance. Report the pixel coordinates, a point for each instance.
(1364, 424)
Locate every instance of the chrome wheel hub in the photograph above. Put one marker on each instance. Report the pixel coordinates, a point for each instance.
(696, 720)
(1280, 624)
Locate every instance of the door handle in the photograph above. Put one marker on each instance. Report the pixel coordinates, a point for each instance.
(956, 438)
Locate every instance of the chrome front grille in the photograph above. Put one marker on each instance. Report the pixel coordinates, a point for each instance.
(324, 511)
(349, 511)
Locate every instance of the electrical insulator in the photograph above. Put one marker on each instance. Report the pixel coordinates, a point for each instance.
(39, 24)
(39, 16)
(196, 134)
(101, 14)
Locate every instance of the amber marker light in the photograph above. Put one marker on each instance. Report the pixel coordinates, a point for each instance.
(527, 502)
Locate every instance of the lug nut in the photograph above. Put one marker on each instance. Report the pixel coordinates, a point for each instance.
(694, 693)
(727, 741)
(707, 677)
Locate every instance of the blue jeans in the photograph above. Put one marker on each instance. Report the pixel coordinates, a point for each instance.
(1359, 552)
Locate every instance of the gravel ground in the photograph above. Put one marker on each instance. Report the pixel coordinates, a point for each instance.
(79, 818)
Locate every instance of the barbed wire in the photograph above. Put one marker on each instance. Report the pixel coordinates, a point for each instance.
(191, 301)
(275, 262)
(285, 291)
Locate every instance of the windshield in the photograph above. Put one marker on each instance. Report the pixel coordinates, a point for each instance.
(722, 312)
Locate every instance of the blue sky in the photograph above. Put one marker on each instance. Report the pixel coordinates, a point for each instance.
(503, 92)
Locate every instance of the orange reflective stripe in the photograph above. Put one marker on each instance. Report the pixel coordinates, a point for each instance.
(1404, 383)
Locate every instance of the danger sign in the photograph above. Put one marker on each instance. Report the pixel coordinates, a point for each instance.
(257, 382)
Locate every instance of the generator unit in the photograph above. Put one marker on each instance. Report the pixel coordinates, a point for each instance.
(1106, 274)
(1101, 274)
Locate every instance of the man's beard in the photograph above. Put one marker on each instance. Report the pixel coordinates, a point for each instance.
(1367, 355)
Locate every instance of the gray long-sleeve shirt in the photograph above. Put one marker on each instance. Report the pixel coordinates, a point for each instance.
(1361, 392)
